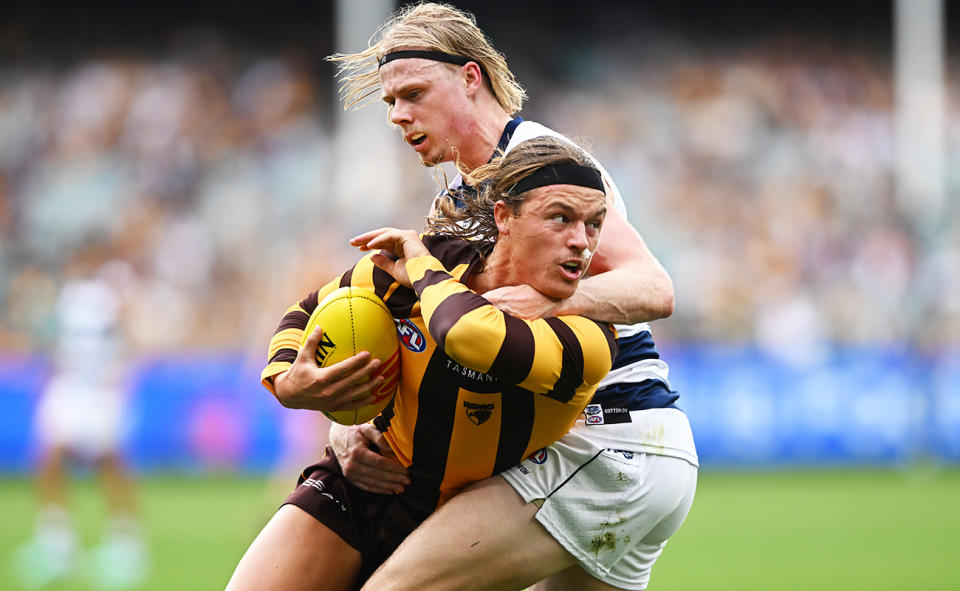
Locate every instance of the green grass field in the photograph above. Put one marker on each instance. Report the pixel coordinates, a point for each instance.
(807, 530)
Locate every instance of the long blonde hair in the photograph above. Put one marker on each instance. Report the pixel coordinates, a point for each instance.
(434, 27)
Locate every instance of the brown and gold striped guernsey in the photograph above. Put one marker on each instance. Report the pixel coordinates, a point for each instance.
(479, 389)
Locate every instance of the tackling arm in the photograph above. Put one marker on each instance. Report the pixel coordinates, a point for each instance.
(627, 283)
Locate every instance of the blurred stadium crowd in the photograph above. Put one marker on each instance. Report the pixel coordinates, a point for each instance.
(760, 173)
(763, 177)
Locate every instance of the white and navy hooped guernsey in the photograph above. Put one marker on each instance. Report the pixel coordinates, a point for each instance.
(638, 379)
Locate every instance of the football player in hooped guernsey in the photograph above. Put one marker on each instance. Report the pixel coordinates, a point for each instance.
(480, 389)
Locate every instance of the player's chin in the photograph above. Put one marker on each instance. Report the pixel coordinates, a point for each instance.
(431, 159)
(433, 154)
(560, 290)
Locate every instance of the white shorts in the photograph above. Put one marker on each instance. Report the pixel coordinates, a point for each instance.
(83, 416)
(612, 510)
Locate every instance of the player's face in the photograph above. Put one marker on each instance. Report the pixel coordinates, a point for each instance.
(551, 241)
(428, 102)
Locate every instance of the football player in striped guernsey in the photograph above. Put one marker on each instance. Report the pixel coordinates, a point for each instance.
(595, 509)
(484, 389)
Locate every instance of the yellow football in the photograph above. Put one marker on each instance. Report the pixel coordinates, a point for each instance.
(354, 319)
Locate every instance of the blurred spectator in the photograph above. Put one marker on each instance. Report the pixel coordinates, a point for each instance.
(81, 419)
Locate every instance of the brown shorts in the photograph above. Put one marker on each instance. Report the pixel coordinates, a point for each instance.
(374, 524)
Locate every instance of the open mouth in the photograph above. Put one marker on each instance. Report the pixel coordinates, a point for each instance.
(571, 268)
(417, 139)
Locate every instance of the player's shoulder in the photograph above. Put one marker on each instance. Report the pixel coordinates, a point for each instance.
(527, 130)
(597, 346)
(449, 250)
(589, 329)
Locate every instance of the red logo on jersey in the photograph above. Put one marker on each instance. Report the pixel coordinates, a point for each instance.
(390, 370)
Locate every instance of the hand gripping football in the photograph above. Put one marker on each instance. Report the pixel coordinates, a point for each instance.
(353, 320)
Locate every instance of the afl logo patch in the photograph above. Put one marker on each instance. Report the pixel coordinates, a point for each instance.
(410, 335)
(594, 419)
(539, 456)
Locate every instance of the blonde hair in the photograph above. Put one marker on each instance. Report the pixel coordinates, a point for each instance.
(468, 212)
(434, 27)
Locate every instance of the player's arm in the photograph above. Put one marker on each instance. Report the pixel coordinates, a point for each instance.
(477, 335)
(627, 284)
(292, 373)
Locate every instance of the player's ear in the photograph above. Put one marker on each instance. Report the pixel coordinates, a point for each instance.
(472, 76)
(502, 214)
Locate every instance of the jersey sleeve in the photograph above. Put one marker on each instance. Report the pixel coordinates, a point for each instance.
(553, 356)
(285, 343)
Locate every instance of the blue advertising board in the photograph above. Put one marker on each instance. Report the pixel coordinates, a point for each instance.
(876, 406)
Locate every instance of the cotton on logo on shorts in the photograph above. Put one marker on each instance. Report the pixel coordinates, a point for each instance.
(313, 483)
(538, 457)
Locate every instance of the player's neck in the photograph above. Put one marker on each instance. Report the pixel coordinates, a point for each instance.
(497, 272)
(485, 136)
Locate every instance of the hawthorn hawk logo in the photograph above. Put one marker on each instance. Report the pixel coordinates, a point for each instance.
(478, 413)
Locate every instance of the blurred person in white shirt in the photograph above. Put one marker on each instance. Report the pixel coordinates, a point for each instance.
(81, 420)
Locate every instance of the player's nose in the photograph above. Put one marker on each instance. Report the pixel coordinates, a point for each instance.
(577, 238)
(400, 113)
